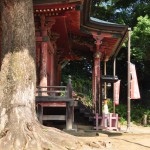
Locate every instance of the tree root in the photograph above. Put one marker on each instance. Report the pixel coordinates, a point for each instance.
(34, 136)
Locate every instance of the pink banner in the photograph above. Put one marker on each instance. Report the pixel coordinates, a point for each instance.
(116, 92)
(135, 94)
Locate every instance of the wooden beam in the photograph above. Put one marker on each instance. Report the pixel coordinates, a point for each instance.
(54, 117)
(45, 99)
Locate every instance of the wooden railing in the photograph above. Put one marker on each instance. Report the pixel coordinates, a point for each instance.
(56, 94)
(52, 91)
(56, 91)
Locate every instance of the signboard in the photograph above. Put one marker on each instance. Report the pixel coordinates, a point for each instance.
(116, 92)
(135, 94)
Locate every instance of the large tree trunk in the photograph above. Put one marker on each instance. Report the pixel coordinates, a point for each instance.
(19, 127)
(17, 77)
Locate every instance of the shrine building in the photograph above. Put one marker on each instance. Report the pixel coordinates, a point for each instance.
(65, 31)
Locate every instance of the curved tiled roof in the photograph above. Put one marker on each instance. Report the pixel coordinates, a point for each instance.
(79, 23)
(90, 24)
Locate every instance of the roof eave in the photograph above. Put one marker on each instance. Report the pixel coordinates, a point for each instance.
(46, 2)
(89, 25)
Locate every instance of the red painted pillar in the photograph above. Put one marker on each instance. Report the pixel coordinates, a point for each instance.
(54, 62)
(43, 71)
(52, 53)
(38, 57)
(44, 48)
(96, 81)
(97, 100)
(52, 70)
(96, 76)
(93, 92)
(58, 74)
(51, 63)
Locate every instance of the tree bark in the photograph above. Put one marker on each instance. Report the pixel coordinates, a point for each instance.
(17, 77)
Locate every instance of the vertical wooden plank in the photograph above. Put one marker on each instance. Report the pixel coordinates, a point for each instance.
(69, 116)
(129, 79)
(93, 92)
(69, 88)
(96, 116)
(43, 71)
(58, 74)
(69, 107)
(40, 113)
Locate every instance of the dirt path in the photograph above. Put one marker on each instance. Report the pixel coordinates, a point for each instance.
(131, 142)
(138, 138)
(123, 142)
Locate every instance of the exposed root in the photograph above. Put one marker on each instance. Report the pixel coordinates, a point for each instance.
(37, 137)
(26, 137)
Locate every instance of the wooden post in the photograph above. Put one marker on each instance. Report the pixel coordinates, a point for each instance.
(145, 120)
(105, 85)
(39, 91)
(129, 78)
(52, 70)
(69, 116)
(97, 121)
(96, 70)
(69, 107)
(43, 71)
(44, 47)
(93, 93)
(97, 81)
(52, 49)
(40, 113)
(97, 58)
(38, 62)
(114, 73)
(69, 88)
(58, 74)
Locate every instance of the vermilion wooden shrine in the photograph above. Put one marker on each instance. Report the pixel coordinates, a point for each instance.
(65, 31)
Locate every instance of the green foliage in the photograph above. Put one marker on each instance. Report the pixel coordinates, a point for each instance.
(81, 75)
(137, 112)
(140, 39)
(122, 121)
(88, 99)
(120, 11)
